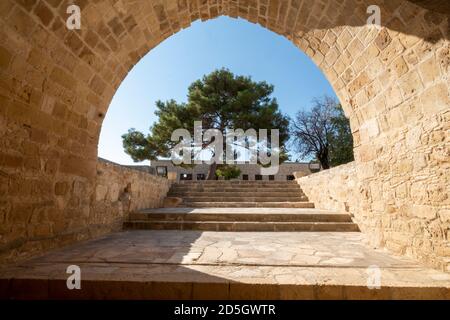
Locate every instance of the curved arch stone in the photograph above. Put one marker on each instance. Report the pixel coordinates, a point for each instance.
(56, 86)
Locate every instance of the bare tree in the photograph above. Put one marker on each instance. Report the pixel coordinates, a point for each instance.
(317, 131)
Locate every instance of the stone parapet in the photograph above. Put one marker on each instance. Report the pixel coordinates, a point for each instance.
(121, 190)
(57, 84)
(76, 210)
(392, 213)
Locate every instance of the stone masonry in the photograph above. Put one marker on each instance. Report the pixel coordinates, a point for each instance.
(240, 206)
(167, 264)
(418, 225)
(118, 191)
(56, 86)
(285, 170)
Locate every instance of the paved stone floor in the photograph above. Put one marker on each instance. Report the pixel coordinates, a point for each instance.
(323, 259)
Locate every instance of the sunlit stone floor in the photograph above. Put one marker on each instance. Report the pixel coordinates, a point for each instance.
(324, 259)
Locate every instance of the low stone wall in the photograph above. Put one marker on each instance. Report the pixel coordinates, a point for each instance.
(120, 190)
(71, 210)
(390, 217)
(333, 189)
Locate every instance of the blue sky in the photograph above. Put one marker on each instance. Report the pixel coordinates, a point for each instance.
(167, 70)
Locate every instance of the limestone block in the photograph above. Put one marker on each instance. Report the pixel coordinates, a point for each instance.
(435, 99)
(383, 39)
(299, 174)
(423, 211)
(57, 86)
(171, 202)
(100, 192)
(113, 192)
(410, 84)
(172, 176)
(444, 215)
(429, 70)
(61, 188)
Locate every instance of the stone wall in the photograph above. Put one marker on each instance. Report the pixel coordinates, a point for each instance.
(121, 190)
(409, 217)
(251, 170)
(334, 189)
(69, 212)
(56, 86)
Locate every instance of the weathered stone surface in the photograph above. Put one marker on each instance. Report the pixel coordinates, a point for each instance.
(121, 190)
(171, 202)
(92, 210)
(241, 219)
(224, 265)
(57, 84)
(405, 214)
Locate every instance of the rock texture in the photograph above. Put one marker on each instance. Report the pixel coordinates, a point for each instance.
(121, 190)
(241, 219)
(239, 193)
(56, 85)
(224, 265)
(407, 214)
(81, 212)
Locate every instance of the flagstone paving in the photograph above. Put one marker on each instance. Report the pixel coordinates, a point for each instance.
(194, 264)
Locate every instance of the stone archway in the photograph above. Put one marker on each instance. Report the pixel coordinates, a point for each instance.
(56, 86)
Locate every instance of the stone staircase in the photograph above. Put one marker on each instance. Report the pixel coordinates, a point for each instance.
(240, 206)
(240, 194)
(164, 263)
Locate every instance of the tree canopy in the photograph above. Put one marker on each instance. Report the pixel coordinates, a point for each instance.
(222, 101)
(324, 133)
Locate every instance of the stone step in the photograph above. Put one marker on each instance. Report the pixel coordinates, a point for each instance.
(299, 204)
(240, 214)
(159, 264)
(231, 189)
(235, 182)
(233, 194)
(240, 185)
(204, 282)
(242, 226)
(243, 198)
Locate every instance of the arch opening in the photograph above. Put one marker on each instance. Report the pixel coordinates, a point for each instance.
(56, 86)
(244, 49)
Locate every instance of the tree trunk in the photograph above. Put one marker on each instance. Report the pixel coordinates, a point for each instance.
(212, 171)
(324, 163)
(323, 158)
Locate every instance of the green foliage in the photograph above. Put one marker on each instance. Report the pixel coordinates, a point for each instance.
(139, 146)
(228, 172)
(341, 141)
(221, 100)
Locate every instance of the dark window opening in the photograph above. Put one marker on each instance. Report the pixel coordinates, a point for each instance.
(161, 171)
(290, 177)
(258, 177)
(185, 176)
(271, 177)
(245, 177)
(201, 176)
